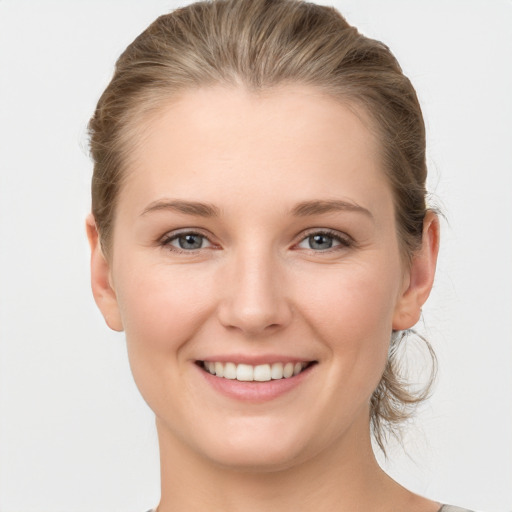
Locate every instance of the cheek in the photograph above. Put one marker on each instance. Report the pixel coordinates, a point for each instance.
(352, 298)
(352, 314)
(162, 306)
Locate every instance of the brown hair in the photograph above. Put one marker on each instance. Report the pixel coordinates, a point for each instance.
(259, 44)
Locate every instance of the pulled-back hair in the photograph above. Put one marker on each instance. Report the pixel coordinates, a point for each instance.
(260, 44)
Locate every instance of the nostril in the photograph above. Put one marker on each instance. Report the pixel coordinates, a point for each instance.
(254, 306)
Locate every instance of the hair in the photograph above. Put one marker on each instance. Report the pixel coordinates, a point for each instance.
(261, 44)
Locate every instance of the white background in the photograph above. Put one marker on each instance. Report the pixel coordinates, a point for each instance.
(74, 433)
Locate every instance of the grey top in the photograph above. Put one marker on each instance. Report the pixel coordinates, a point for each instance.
(451, 508)
(444, 508)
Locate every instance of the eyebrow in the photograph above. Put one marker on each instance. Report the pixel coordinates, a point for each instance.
(319, 207)
(186, 207)
(302, 209)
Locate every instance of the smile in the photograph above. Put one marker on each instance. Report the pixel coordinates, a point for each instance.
(257, 373)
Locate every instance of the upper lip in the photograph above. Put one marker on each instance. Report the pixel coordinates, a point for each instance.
(255, 360)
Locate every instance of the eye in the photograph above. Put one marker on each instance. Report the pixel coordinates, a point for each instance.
(186, 242)
(323, 241)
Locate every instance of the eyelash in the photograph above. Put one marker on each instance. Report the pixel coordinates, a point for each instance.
(343, 241)
(169, 238)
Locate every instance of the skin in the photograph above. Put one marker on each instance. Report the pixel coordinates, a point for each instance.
(258, 286)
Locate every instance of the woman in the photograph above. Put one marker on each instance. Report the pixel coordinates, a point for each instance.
(259, 231)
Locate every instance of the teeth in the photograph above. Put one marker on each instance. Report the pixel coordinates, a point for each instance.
(262, 373)
(276, 372)
(288, 370)
(219, 369)
(244, 372)
(249, 373)
(229, 371)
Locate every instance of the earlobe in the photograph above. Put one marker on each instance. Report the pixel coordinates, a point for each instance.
(421, 276)
(102, 289)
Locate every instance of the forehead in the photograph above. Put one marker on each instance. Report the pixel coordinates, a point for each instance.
(287, 143)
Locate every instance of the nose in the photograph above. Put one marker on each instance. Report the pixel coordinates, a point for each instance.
(253, 295)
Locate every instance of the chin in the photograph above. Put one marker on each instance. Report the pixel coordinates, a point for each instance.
(254, 459)
(256, 448)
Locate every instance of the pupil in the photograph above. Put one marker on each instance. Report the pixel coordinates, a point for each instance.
(190, 242)
(320, 242)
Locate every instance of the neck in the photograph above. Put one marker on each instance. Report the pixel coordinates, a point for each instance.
(344, 478)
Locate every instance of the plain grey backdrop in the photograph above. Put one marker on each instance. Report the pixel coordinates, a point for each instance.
(74, 434)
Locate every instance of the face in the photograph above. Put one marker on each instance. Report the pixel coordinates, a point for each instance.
(256, 271)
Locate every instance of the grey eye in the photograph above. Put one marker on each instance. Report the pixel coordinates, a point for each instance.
(320, 242)
(189, 241)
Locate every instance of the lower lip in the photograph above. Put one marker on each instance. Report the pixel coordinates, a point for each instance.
(255, 391)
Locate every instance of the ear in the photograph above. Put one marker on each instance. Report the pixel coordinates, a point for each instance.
(420, 277)
(101, 282)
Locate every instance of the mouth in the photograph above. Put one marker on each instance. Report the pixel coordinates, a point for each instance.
(254, 373)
